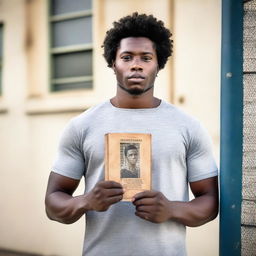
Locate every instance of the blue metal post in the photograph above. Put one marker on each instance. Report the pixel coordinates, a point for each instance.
(231, 127)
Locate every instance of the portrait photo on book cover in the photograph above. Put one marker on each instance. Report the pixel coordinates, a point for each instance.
(130, 160)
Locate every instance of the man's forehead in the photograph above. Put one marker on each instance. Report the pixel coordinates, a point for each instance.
(132, 150)
(130, 44)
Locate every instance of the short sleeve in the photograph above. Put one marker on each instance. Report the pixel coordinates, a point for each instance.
(200, 161)
(69, 160)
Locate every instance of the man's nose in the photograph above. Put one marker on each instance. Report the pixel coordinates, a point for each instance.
(136, 65)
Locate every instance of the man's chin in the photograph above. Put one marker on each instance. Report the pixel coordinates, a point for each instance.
(135, 91)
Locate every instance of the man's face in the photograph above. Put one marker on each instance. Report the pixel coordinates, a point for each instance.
(136, 65)
(132, 156)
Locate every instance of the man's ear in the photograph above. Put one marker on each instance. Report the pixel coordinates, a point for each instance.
(157, 71)
(114, 66)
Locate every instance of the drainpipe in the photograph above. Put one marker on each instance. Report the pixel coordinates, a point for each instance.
(231, 127)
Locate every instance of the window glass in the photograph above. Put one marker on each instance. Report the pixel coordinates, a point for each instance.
(67, 6)
(1, 55)
(72, 32)
(72, 65)
(1, 41)
(67, 86)
(0, 80)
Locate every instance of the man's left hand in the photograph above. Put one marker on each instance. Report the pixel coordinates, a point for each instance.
(152, 206)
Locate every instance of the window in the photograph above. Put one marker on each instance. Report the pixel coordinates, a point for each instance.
(1, 55)
(70, 44)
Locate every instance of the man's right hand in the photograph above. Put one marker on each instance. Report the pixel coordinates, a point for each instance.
(62, 206)
(103, 195)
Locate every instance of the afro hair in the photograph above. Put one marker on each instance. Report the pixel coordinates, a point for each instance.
(139, 25)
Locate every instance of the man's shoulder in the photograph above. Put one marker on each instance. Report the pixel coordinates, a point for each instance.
(178, 114)
(90, 113)
(125, 173)
(124, 170)
(96, 108)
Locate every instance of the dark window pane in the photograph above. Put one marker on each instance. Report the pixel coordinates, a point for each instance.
(72, 32)
(1, 40)
(72, 64)
(80, 85)
(1, 55)
(67, 6)
(0, 80)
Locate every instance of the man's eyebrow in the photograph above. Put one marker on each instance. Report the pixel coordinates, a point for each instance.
(129, 52)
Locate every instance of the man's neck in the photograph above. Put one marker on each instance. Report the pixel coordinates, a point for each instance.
(138, 101)
(132, 168)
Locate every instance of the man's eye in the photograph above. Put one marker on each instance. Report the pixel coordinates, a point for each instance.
(147, 58)
(126, 57)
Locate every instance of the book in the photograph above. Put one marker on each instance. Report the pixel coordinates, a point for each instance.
(128, 161)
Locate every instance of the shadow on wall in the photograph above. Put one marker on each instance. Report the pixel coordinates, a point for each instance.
(4, 252)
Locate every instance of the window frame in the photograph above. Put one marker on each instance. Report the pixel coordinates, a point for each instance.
(67, 49)
(1, 57)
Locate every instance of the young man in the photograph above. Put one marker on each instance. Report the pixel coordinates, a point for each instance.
(136, 48)
(131, 170)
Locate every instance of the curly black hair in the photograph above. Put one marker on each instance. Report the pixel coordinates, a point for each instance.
(139, 25)
(129, 147)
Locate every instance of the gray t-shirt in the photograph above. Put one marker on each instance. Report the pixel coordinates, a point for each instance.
(181, 153)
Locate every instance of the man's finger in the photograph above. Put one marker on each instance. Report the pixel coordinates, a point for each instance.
(144, 201)
(114, 199)
(145, 209)
(143, 215)
(144, 194)
(113, 192)
(109, 184)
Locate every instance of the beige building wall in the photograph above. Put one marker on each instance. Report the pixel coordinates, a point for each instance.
(31, 118)
(196, 81)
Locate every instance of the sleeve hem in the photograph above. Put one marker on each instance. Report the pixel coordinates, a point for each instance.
(202, 177)
(66, 174)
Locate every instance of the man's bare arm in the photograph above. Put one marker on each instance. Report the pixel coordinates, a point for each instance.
(155, 207)
(63, 207)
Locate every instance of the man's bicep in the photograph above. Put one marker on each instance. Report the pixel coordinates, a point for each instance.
(206, 186)
(60, 183)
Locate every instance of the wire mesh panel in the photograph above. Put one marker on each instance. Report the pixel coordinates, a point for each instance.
(248, 241)
(249, 139)
(249, 36)
(248, 230)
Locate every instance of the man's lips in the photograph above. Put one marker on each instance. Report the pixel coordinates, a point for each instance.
(136, 78)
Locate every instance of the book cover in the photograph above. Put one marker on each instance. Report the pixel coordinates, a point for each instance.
(128, 161)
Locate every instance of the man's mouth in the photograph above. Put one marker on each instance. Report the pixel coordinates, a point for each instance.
(136, 78)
